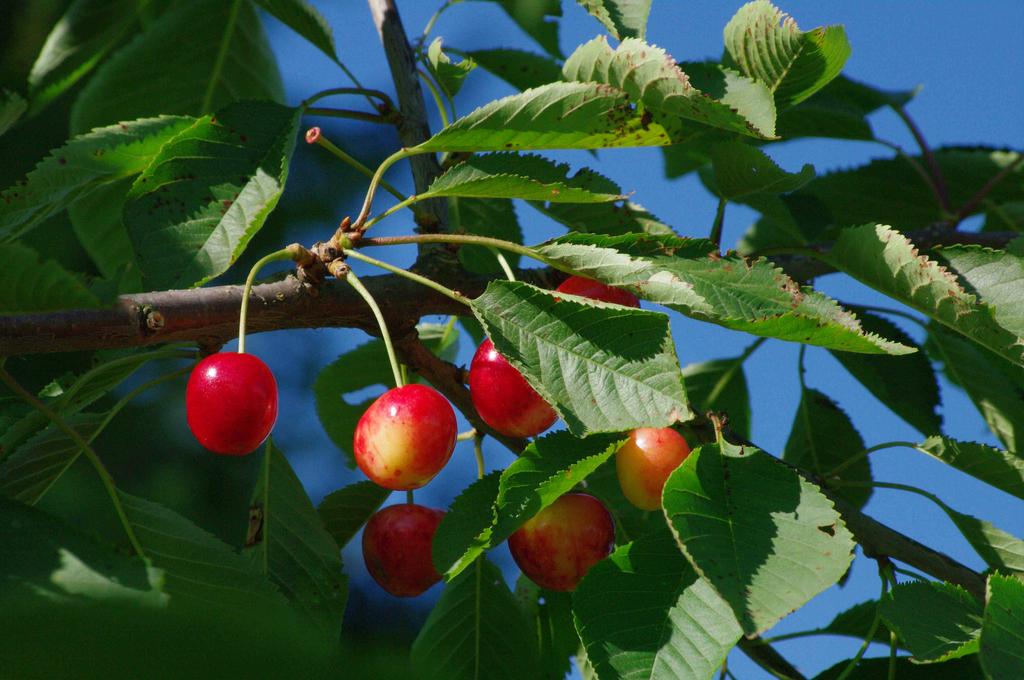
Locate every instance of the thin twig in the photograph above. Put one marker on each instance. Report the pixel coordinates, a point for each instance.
(929, 157)
(980, 195)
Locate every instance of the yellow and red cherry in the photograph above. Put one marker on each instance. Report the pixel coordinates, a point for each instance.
(503, 398)
(405, 437)
(595, 290)
(557, 546)
(646, 460)
(231, 403)
(397, 548)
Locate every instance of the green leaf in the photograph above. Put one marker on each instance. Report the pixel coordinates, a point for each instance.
(30, 284)
(720, 386)
(97, 220)
(1000, 469)
(85, 164)
(32, 469)
(603, 368)
(766, 538)
(177, 66)
(449, 75)
(209, 190)
(289, 545)
(999, 549)
(345, 511)
(878, 669)
(879, 256)
(689, 276)
(741, 170)
(200, 569)
(539, 19)
(995, 385)
(937, 621)
(476, 630)
(520, 69)
(998, 217)
(550, 615)
(995, 276)
(365, 366)
(856, 621)
(493, 508)
(890, 378)
(1002, 634)
(304, 19)
(668, 622)
(839, 111)
(507, 175)
(493, 217)
(622, 18)
(80, 39)
(768, 46)
(822, 438)
(12, 108)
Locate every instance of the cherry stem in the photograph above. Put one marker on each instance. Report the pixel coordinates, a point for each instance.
(384, 334)
(321, 140)
(469, 240)
(366, 92)
(438, 100)
(834, 472)
(347, 113)
(83, 446)
(478, 451)
(408, 497)
(503, 263)
(458, 297)
(871, 631)
(404, 203)
(376, 179)
(465, 436)
(288, 253)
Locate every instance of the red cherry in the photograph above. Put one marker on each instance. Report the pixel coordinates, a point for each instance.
(563, 541)
(231, 402)
(503, 398)
(595, 290)
(397, 544)
(404, 439)
(646, 460)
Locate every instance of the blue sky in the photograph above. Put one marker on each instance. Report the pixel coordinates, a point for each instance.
(967, 58)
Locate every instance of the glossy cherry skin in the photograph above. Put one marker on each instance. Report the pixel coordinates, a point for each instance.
(404, 439)
(231, 403)
(397, 543)
(646, 460)
(503, 398)
(563, 541)
(595, 290)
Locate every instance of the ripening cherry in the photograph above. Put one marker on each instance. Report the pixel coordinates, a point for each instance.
(404, 439)
(503, 398)
(231, 403)
(646, 460)
(563, 541)
(397, 543)
(595, 290)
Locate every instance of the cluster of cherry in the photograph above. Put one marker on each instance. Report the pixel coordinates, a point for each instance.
(407, 436)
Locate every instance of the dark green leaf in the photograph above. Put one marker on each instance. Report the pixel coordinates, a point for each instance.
(839, 110)
(539, 18)
(85, 164)
(622, 18)
(630, 521)
(476, 630)
(768, 46)
(766, 538)
(1002, 634)
(720, 386)
(30, 284)
(345, 511)
(741, 170)
(81, 38)
(604, 368)
(856, 621)
(32, 469)
(522, 70)
(466, 530)
(208, 191)
(505, 175)
(995, 385)
(822, 438)
(12, 108)
(550, 615)
(493, 217)
(304, 19)
(879, 256)
(1001, 469)
(999, 549)
(177, 66)
(289, 545)
(905, 384)
(449, 75)
(689, 275)
(668, 622)
(200, 569)
(878, 669)
(937, 621)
